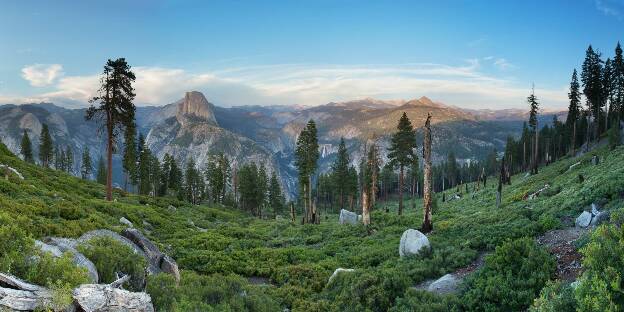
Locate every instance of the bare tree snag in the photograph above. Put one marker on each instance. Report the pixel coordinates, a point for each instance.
(427, 224)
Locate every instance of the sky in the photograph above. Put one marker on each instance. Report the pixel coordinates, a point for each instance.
(472, 54)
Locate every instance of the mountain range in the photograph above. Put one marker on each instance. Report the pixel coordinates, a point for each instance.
(194, 127)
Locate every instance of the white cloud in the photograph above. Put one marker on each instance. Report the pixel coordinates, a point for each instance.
(503, 64)
(42, 75)
(610, 7)
(462, 85)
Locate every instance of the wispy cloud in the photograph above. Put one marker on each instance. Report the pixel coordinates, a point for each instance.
(503, 64)
(613, 8)
(41, 75)
(464, 85)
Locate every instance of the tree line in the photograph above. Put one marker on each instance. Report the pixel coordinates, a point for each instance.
(249, 186)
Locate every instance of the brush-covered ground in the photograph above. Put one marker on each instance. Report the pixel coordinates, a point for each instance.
(231, 261)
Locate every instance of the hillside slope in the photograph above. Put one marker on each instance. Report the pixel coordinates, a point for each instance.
(224, 253)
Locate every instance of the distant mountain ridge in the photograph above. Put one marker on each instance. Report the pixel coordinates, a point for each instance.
(194, 127)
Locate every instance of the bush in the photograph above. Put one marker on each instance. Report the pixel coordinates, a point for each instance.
(423, 301)
(555, 297)
(207, 293)
(600, 287)
(512, 276)
(111, 257)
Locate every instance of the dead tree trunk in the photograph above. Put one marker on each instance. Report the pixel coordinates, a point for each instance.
(427, 224)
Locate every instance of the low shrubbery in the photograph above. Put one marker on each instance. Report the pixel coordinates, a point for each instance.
(511, 278)
(114, 259)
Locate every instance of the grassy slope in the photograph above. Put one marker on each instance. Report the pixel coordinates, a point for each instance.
(299, 259)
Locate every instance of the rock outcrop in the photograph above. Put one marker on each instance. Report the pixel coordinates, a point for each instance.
(446, 284)
(9, 169)
(158, 262)
(56, 247)
(195, 105)
(584, 219)
(347, 217)
(412, 243)
(594, 217)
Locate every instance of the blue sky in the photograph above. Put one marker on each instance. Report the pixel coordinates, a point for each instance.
(477, 54)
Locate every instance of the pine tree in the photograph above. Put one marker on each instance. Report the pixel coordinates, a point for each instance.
(607, 86)
(276, 198)
(46, 149)
(262, 184)
(101, 171)
(427, 225)
(145, 162)
(573, 109)
(26, 148)
(533, 111)
(86, 168)
(401, 151)
(115, 110)
(618, 83)
(340, 172)
(306, 157)
(591, 76)
(130, 155)
(69, 160)
(194, 183)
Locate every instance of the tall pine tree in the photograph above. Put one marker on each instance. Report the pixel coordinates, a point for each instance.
(591, 76)
(306, 156)
(26, 148)
(573, 110)
(340, 172)
(46, 149)
(533, 111)
(86, 167)
(401, 151)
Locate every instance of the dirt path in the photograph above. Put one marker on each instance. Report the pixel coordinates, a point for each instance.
(560, 243)
(457, 276)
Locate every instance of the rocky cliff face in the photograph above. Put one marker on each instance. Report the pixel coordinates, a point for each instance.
(195, 108)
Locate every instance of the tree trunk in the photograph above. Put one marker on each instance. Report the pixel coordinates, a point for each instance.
(109, 154)
(365, 207)
(535, 157)
(292, 212)
(401, 190)
(574, 138)
(427, 224)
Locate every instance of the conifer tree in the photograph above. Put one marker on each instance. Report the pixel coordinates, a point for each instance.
(101, 171)
(533, 111)
(276, 197)
(145, 162)
(26, 148)
(306, 157)
(607, 86)
(591, 76)
(618, 83)
(573, 109)
(194, 183)
(401, 151)
(69, 160)
(262, 184)
(86, 168)
(46, 149)
(115, 108)
(130, 155)
(340, 172)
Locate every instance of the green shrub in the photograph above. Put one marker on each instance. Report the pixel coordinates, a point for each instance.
(208, 293)
(601, 287)
(555, 297)
(511, 277)
(111, 257)
(424, 301)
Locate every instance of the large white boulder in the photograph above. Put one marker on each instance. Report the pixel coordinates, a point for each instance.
(584, 219)
(444, 285)
(347, 217)
(412, 243)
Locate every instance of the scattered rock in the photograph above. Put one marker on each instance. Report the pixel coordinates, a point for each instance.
(594, 209)
(172, 209)
(347, 217)
(125, 221)
(105, 298)
(17, 295)
(158, 262)
(412, 242)
(446, 284)
(600, 218)
(595, 160)
(560, 243)
(110, 234)
(58, 246)
(584, 219)
(338, 271)
(19, 175)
